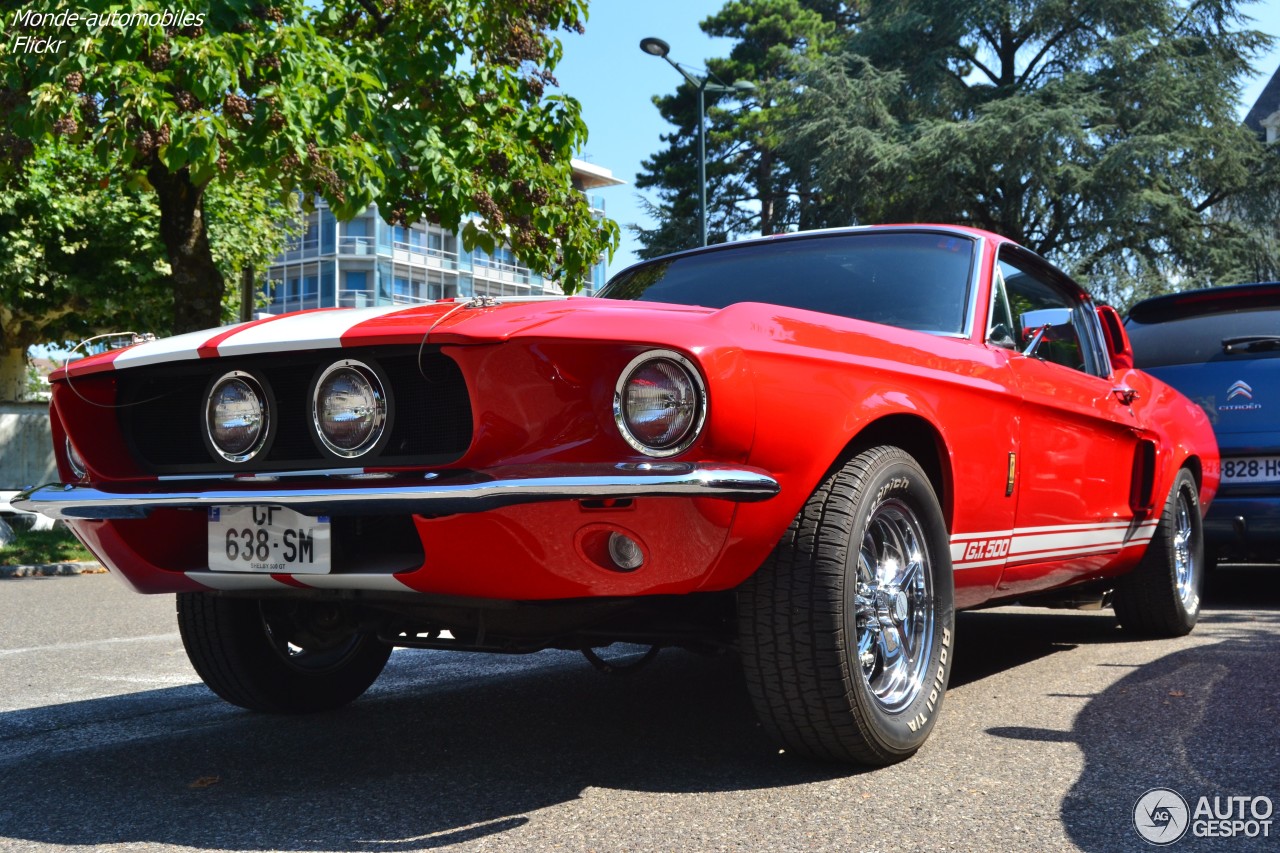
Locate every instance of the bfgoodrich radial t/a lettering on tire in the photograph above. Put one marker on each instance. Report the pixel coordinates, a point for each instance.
(847, 631)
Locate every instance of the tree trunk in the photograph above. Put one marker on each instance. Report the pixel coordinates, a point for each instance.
(13, 374)
(764, 189)
(197, 282)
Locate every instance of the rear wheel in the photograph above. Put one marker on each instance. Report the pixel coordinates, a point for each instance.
(847, 629)
(1161, 597)
(279, 656)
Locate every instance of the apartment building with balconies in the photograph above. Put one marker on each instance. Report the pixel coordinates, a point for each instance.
(364, 261)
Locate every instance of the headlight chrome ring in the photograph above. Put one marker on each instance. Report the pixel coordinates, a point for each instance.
(660, 403)
(349, 408)
(75, 461)
(237, 416)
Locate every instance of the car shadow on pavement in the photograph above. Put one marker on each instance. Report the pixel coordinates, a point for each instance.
(401, 769)
(444, 751)
(1201, 721)
(993, 641)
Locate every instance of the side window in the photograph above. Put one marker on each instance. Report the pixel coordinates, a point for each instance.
(1036, 301)
(1000, 323)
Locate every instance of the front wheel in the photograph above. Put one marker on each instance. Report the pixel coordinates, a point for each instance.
(279, 656)
(1161, 597)
(847, 630)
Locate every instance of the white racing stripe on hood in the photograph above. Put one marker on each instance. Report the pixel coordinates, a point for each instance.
(314, 330)
(323, 329)
(177, 348)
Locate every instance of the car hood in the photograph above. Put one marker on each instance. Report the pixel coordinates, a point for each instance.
(461, 321)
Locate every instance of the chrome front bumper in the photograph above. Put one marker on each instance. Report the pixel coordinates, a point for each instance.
(445, 493)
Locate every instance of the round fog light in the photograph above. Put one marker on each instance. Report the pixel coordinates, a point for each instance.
(625, 552)
(349, 408)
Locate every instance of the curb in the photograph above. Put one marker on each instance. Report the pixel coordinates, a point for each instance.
(45, 570)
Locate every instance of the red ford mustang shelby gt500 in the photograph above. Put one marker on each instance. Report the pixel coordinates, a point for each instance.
(811, 448)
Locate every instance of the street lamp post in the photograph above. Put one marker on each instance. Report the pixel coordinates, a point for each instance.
(658, 47)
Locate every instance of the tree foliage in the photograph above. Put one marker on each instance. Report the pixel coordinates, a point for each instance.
(433, 108)
(750, 187)
(1102, 133)
(76, 254)
(81, 256)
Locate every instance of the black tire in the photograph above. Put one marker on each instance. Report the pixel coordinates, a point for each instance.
(816, 627)
(279, 656)
(1161, 596)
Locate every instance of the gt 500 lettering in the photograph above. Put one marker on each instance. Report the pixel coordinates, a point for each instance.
(986, 548)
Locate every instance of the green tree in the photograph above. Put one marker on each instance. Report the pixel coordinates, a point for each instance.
(751, 188)
(1102, 133)
(75, 254)
(434, 109)
(80, 256)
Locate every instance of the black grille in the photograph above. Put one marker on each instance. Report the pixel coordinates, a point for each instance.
(162, 411)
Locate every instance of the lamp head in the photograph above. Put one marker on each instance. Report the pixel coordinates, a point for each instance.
(655, 46)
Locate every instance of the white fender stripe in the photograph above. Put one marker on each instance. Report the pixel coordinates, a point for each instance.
(374, 583)
(1057, 553)
(242, 581)
(1023, 544)
(235, 580)
(1051, 542)
(977, 564)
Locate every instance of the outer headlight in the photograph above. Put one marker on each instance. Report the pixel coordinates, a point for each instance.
(349, 408)
(237, 416)
(78, 468)
(660, 403)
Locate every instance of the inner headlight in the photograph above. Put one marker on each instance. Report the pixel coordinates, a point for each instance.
(349, 408)
(660, 403)
(236, 416)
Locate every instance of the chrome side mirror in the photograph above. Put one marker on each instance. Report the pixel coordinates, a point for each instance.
(1042, 325)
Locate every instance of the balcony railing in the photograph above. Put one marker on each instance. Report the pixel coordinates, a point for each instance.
(493, 268)
(409, 253)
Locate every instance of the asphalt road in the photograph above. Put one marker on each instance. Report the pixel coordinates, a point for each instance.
(1053, 727)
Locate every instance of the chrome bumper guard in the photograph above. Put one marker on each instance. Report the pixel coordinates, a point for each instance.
(445, 493)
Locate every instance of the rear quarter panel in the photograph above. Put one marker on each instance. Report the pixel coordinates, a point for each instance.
(1182, 433)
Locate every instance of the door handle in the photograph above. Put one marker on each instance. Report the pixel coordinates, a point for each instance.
(1125, 395)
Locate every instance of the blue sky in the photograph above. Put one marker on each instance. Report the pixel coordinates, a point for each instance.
(615, 82)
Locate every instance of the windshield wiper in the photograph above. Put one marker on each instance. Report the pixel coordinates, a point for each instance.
(1250, 343)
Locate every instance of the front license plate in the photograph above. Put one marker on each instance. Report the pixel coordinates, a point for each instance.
(1251, 469)
(267, 539)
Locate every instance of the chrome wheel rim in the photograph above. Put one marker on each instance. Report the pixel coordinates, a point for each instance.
(894, 605)
(1184, 560)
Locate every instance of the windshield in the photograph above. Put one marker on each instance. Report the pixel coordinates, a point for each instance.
(913, 280)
